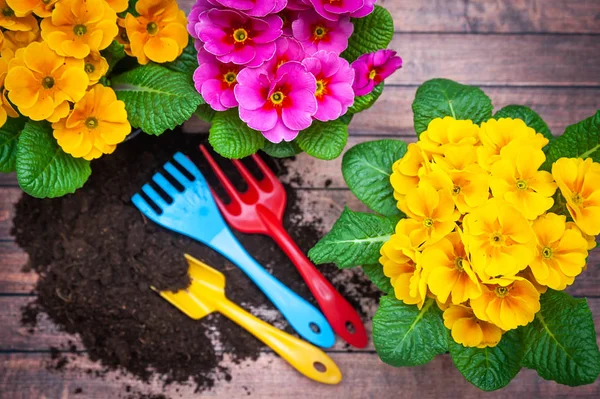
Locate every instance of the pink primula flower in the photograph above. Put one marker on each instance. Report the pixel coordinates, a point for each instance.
(235, 37)
(254, 8)
(299, 5)
(371, 69)
(334, 84)
(288, 49)
(317, 33)
(200, 7)
(216, 81)
(278, 106)
(365, 10)
(332, 9)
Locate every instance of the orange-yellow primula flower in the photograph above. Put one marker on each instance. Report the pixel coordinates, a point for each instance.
(95, 126)
(159, 34)
(41, 8)
(579, 183)
(122, 37)
(434, 211)
(507, 303)
(12, 20)
(15, 40)
(516, 178)
(40, 82)
(468, 330)
(448, 270)
(497, 134)
(560, 252)
(118, 5)
(95, 66)
(407, 170)
(501, 241)
(6, 109)
(448, 132)
(78, 27)
(590, 239)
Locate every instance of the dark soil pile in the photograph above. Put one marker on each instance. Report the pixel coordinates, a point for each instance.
(97, 256)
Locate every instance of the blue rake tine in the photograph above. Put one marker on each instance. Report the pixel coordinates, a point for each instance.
(188, 165)
(154, 196)
(165, 185)
(141, 204)
(177, 175)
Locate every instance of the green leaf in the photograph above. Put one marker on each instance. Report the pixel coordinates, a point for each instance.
(113, 54)
(347, 118)
(355, 239)
(156, 98)
(324, 140)
(9, 136)
(529, 116)
(371, 33)
(205, 112)
(43, 169)
(130, 9)
(490, 368)
(375, 274)
(367, 168)
(284, 149)
(365, 102)
(561, 341)
(403, 335)
(232, 138)
(187, 62)
(438, 98)
(581, 140)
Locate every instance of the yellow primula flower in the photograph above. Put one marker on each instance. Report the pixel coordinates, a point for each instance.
(399, 261)
(118, 5)
(445, 133)
(40, 82)
(560, 252)
(41, 8)
(517, 180)
(78, 27)
(591, 240)
(12, 20)
(579, 183)
(468, 330)
(448, 271)
(159, 34)
(6, 109)
(497, 134)
(501, 241)
(95, 66)
(122, 37)
(507, 303)
(406, 171)
(15, 40)
(95, 126)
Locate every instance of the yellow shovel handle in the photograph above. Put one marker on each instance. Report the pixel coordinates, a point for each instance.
(304, 357)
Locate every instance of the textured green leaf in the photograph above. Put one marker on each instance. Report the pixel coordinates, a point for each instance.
(371, 33)
(375, 274)
(367, 168)
(284, 149)
(9, 136)
(187, 62)
(438, 98)
(232, 138)
(205, 112)
(561, 341)
(529, 116)
(113, 54)
(403, 335)
(581, 140)
(156, 98)
(324, 140)
(355, 239)
(347, 118)
(490, 368)
(43, 169)
(365, 102)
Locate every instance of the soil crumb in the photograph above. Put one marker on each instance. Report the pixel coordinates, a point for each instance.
(97, 256)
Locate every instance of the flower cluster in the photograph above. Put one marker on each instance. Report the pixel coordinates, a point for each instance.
(487, 230)
(279, 61)
(52, 67)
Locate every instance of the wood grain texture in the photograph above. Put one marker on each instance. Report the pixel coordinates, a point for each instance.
(8, 197)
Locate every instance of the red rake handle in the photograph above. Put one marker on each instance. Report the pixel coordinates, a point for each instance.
(341, 315)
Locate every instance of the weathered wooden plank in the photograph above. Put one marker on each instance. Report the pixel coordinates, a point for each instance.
(8, 197)
(485, 16)
(12, 278)
(8, 179)
(25, 376)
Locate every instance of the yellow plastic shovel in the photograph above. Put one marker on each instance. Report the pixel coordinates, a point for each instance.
(206, 294)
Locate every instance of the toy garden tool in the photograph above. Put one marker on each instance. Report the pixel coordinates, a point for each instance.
(206, 294)
(194, 213)
(260, 210)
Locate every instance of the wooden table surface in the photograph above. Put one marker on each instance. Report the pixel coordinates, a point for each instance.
(541, 53)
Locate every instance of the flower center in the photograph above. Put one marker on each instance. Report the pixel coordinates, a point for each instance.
(428, 222)
(577, 199)
(48, 82)
(277, 97)
(458, 262)
(8, 12)
(372, 74)
(321, 86)
(230, 78)
(240, 35)
(152, 28)
(501, 292)
(456, 189)
(497, 239)
(522, 185)
(547, 252)
(79, 30)
(91, 122)
(319, 32)
(89, 68)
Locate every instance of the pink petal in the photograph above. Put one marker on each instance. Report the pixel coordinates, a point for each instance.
(211, 91)
(329, 109)
(298, 115)
(280, 132)
(313, 65)
(271, 32)
(228, 99)
(261, 119)
(239, 56)
(298, 76)
(248, 97)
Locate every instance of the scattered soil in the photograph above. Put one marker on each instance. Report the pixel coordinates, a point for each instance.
(97, 256)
